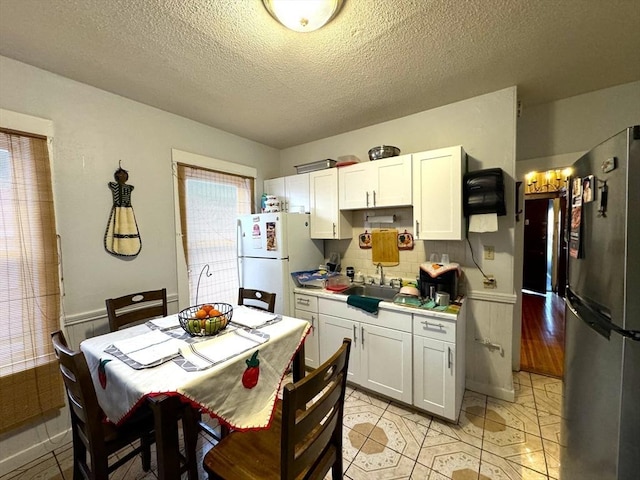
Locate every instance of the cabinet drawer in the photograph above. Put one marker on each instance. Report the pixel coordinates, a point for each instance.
(435, 328)
(308, 303)
(384, 318)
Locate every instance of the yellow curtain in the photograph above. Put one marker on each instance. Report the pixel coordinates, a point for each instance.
(29, 284)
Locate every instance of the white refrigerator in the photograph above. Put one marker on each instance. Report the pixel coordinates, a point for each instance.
(270, 247)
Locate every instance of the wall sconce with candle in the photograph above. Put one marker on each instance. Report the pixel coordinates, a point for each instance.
(532, 182)
(554, 181)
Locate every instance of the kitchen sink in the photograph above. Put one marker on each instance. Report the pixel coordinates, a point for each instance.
(375, 291)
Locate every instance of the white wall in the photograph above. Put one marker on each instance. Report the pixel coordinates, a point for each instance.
(93, 131)
(486, 127)
(577, 124)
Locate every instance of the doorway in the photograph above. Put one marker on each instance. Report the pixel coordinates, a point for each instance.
(544, 278)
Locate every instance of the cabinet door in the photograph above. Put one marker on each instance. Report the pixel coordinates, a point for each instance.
(434, 376)
(332, 331)
(437, 194)
(323, 197)
(388, 373)
(311, 345)
(327, 221)
(391, 181)
(275, 186)
(297, 191)
(354, 185)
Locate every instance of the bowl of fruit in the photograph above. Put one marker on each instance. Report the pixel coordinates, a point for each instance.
(205, 320)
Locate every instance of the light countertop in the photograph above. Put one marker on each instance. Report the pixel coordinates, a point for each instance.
(449, 314)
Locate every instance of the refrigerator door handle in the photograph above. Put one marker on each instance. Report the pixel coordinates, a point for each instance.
(589, 316)
(239, 251)
(598, 320)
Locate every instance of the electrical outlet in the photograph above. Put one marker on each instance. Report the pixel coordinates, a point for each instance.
(489, 252)
(489, 282)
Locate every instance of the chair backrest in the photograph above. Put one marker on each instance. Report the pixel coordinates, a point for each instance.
(135, 307)
(86, 414)
(307, 445)
(257, 298)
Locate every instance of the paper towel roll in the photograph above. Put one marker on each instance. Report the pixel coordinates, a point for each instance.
(486, 222)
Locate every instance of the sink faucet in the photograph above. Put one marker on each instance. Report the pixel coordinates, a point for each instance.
(380, 270)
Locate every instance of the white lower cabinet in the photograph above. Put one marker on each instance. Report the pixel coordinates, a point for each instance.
(417, 359)
(438, 366)
(333, 331)
(386, 362)
(380, 358)
(306, 308)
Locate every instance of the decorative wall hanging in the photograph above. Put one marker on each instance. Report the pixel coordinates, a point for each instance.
(364, 240)
(122, 237)
(405, 241)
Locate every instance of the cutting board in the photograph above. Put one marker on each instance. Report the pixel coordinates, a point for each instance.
(384, 247)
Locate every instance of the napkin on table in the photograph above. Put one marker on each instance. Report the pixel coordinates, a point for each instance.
(223, 347)
(150, 348)
(250, 317)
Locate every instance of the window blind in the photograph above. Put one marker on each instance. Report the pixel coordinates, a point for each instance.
(29, 285)
(210, 203)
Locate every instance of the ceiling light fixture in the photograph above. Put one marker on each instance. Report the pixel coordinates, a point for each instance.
(303, 15)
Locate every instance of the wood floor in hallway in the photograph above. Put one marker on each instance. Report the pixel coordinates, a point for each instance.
(542, 348)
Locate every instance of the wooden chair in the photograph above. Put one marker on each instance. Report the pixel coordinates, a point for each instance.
(136, 307)
(257, 299)
(91, 433)
(305, 437)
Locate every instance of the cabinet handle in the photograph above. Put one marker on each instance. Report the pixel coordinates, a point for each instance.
(303, 301)
(417, 229)
(362, 335)
(313, 323)
(355, 337)
(437, 325)
(449, 356)
(334, 229)
(374, 198)
(367, 199)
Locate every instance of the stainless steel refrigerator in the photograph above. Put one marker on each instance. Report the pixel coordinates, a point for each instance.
(600, 427)
(270, 247)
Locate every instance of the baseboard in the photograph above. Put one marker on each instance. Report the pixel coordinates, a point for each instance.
(491, 390)
(34, 452)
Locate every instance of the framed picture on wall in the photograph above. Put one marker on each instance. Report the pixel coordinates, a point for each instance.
(576, 191)
(588, 189)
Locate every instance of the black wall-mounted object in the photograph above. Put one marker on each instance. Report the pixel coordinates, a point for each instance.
(483, 192)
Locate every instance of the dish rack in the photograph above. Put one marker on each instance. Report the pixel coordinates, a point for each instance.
(312, 278)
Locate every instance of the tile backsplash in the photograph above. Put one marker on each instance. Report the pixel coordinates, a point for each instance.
(360, 259)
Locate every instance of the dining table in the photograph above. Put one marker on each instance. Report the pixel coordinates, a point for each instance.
(234, 375)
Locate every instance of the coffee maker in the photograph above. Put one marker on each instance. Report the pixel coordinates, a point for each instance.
(444, 282)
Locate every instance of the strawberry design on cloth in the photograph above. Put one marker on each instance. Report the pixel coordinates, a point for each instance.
(251, 374)
(102, 373)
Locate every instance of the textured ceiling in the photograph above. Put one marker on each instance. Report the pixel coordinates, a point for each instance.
(228, 64)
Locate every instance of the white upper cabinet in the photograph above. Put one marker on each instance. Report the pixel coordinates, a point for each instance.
(327, 221)
(275, 186)
(379, 183)
(293, 192)
(437, 194)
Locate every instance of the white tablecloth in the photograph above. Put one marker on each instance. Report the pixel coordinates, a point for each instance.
(219, 390)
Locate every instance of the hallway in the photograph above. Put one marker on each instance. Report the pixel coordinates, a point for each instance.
(542, 349)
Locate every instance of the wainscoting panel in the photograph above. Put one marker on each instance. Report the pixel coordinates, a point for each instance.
(489, 345)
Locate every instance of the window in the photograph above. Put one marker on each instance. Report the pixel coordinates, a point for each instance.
(209, 203)
(29, 282)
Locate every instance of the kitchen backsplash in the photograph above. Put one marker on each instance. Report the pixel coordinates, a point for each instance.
(360, 259)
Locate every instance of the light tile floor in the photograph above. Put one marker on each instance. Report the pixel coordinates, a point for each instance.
(493, 439)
